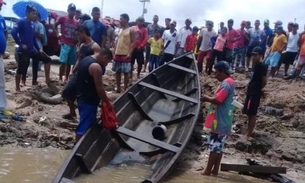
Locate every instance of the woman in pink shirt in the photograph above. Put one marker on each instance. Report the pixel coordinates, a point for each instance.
(239, 46)
(218, 50)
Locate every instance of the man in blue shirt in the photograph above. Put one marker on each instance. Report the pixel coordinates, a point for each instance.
(268, 32)
(98, 30)
(3, 39)
(24, 36)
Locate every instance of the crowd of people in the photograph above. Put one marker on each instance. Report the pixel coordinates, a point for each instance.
(88, 44)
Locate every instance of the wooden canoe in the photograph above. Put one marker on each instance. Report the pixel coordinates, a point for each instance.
(170, 95)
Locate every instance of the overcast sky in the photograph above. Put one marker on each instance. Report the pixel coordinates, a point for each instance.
(197, 10)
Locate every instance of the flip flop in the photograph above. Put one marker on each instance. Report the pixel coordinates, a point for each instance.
(7, 112)
(17, 117)
(3, 116)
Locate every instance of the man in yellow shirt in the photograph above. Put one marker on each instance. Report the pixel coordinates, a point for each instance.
(156, 46)
(278, 46)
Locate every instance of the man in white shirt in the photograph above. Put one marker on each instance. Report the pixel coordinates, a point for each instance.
(205, 46)
(183, 33)
(292, 48)
(170, 38)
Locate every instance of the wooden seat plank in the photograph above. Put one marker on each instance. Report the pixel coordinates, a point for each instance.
(168, 92)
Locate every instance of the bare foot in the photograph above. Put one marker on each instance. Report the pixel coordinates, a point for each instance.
(214, 173)
(205, 173)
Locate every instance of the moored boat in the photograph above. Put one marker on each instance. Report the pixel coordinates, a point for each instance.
(156, 118)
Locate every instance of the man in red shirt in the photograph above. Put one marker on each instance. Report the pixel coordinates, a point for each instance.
(191, 40)
(232, 36)
(141, 37)
(68, 40)
(52, 47)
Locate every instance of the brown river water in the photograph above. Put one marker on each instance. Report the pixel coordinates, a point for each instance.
(18, 165)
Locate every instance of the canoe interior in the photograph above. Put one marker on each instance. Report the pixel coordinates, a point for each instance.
(169, 96)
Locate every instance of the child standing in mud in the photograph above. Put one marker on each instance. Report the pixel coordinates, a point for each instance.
(156, 47)
(254, 92)
(220, 116)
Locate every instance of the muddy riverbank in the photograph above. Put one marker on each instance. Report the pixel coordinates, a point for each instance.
(278, 139)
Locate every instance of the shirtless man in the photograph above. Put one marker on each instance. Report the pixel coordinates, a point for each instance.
(87, 48)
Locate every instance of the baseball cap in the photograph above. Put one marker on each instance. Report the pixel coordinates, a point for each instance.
(278, 22)
(223, 66)
(280, 27)
(2, 2)
(257, 50)
(266, 21)
(71, 6)
(195, 28)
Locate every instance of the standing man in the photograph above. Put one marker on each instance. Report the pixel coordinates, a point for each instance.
(170, 38)
(256, 36)
(124, 48)
(78, 14)
(255, 87)
(40, 35)
(220, 116)
(52, 47)
(248, 25)
(87, 48)
(90, 89)
(68, 41)
(205, 47)
(221, 26)
(239, 46)
(110, 34)
(292, 48)
(141, 37)
(24, 36)
(301, 59)
(151, 31)
(232, 36)
(3, 40)
(167, 23)
(268, 32)
(97, 29)
(182, 34)
(278, 46)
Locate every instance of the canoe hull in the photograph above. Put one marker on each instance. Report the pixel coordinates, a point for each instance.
(169, 96)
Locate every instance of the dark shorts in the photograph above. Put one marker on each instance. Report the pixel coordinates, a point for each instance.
(24, 61)
(216, 142)
(87, 117)
(138, 55)
(251, 105)
(147, 52)
(51, 51)
(69, 91)
(249, 50)
(289, 57)
(166, 58)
